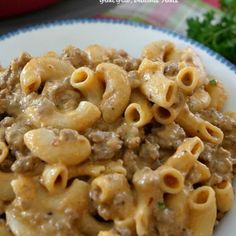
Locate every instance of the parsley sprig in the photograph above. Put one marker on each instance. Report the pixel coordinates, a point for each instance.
(218, 34)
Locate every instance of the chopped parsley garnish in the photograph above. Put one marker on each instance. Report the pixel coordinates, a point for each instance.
(161, 205)
(213, 82)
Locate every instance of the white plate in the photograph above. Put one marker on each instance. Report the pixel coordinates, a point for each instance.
(124, 35)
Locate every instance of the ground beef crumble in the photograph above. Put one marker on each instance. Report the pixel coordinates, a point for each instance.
(105, 144)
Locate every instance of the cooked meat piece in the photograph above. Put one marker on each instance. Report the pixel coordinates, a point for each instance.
(218, 160)
(131, 135)
(105, 145)
(227, 124)
(169, 136)
(28, 165)
(75, 56)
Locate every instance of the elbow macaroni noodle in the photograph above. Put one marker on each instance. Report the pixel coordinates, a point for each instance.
(202, 204)
(42, 69)
(155, 86)
(117, 91)
(139, 112)
(85, 80)
(198, 127)
(45, 114)
(69, 147)
(3, 151)
(55, 177)
(96, 165)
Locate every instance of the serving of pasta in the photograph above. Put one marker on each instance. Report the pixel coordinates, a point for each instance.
(96, 142)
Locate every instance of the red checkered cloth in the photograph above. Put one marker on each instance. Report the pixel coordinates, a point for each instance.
(169, 15)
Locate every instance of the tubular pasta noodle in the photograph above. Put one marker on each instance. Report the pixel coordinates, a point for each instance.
(117, 91)
(224, 196)
(87, 169)
(182, 161)
(168, 115)
(149, 67)
(155, 86)
(170, 179)
(97, 168)
(190, 58)
(217, 93)
(186, 155)
(179, 204)
(200, 100)
(187, 80)
(202, 204)
(97, 54)
(105, 188)
(7, 193)
(54, 177)
(3, 151)
(138, 112)
(159, 50)
(148, 193)
(202, 173)
(196, 126)
(85, 80)
(193, 145)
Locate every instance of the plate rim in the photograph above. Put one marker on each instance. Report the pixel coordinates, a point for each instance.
(62, 22)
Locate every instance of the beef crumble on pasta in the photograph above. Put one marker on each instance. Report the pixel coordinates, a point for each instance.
(96, 142)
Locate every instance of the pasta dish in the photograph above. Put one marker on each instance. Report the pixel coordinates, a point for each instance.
(96, 142)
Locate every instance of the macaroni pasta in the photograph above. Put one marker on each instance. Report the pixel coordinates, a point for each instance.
(96, 142)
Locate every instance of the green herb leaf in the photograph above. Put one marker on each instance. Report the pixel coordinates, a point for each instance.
(161, 205)
(227, 5)
(217, 34)
(213, 82)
